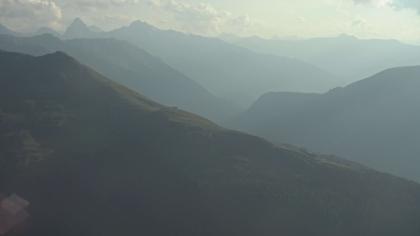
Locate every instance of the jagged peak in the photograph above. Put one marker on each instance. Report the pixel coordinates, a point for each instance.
(77, 25)
(78, 29)
(78, 22)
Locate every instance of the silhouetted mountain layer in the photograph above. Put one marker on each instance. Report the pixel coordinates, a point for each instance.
(78, 29)
(47, 30)
(346, 56)
(94, 158)
(132, 67)
(228, 71)
(373, 121)
(6, 31)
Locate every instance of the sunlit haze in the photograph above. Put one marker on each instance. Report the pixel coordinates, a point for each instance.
(387, 19)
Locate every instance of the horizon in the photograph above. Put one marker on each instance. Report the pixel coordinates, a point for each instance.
(221, 36)
(303, 19)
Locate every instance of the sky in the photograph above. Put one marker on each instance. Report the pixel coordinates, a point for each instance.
(388, 19)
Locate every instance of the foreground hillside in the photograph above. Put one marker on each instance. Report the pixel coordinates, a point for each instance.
(373, 121)
(94, 158)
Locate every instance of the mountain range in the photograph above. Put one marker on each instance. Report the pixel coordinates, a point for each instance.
(132, 67)
(373, 121)
(347, 57)
(94, 158)
(228, 71)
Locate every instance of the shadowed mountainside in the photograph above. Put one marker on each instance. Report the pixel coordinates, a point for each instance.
(131, 67)
(228, 71)
(373, 121)
(94, 158)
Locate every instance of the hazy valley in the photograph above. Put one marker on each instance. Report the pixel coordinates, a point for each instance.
(373, 121)
(124, 127)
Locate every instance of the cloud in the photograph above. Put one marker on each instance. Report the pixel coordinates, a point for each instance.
(415, 4)
(107, 14)
(27, 14)
(364, 18)
(202, 18)
(397, 4)
(95, 5)
(376, 3)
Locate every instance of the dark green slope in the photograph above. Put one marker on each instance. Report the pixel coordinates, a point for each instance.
(373, 121)
(94, 158)
(131, 67)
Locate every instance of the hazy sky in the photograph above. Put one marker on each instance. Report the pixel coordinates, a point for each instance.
(398, 19)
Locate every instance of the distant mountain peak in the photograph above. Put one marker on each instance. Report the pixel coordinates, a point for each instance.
(79, 22)
(141, 24)
(5, 30)
(78, 29)
(138, 22)
(347, 36)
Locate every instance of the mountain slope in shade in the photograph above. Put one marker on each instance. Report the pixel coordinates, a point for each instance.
(373, 121)
(94, 158)
(132, 67)
(347, 56)
(228, 71)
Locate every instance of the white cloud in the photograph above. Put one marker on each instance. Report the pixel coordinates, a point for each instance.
(415, 4)
(203, 18)
(28, 14)
(94, 5)
(397, 4)
(106, 14)
(398, 19)
(376, 3)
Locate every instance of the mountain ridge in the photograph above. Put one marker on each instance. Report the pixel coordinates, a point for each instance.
(111, 158)
(132, 67)
(78, 29)
(372, 121)
(5, 30)
(226, 70)
(347, 56)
